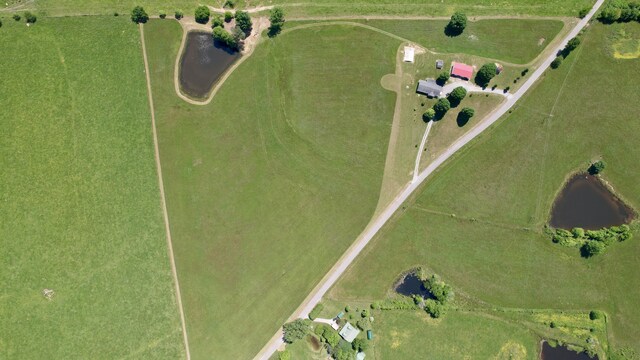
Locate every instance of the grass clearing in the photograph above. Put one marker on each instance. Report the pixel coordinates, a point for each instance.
(79, 197)
(479, 220)
(265, 189)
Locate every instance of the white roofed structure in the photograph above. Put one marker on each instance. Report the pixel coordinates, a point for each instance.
(409, 54)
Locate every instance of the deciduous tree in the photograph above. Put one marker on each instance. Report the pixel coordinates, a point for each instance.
(202, 14)
(457, 24)
(138, 15)
(243, 21)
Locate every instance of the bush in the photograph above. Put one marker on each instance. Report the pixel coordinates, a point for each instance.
(443, 78)
(486, 73)
(223, 37)
(595, 315)
(457, 95)
(347, 308)
(243, 21)
(229, 4)
(363, 324)
(202, 14)
(316, 311)
(179, 14)
(330, 336)
(284, 355)
(16, 17)
(456, 25)
(556, 62)
(441, 107)
(116, 14)
(359, 345)
(571, 45)
(138, 15)
(609, 14)
(217, 21)
(429, 115)
(163, 14)
(524, 72)
(434, 308)
(597, 167)
(364, 313)
(577, 232)
(441, 291)
(30, 18)
(583, 12)
(592, 248)
(296, 330)
(276, 21)
(553, 325)
(228, 16)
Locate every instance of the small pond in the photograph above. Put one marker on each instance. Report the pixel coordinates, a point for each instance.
(412, 285)
(562, 353)
(587, 203)
(203, 62)
(314, 342)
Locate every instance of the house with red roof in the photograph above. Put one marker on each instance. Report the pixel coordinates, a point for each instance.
(461, 70)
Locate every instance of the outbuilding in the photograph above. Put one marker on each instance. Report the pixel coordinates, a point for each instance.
(439, 64)
(349, 332)
(429, 87)
(462, 71)
(409, 54)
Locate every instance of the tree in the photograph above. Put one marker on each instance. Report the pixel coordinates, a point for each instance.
(243, 21)
(30, 18)
(556, 62)
(179, 14)
(228, 16)
(443, 78)
(0, 23)
(163, 14)
(238, 38)
(359, 345)
(434, 308)
(609, 14)
(284, 355)
(487, 72)
(202, 14)
(330, 336)
(456, 25)
(138, 15)
(429, 115)
(229, 4)
(295, 330)
(595, 315)
(571, 45)
(276, 20)
(217, 21)
(597, 167)
(464, 116)
(456, 96)
(16, 17)
(592, 248)
(583, 12)
(441, 291)
(441, 107)
(223, 37)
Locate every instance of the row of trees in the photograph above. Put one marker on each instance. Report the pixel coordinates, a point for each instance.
(620, 11)
(562, 54)
(591, 242)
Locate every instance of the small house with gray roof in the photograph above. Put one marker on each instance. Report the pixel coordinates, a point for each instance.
(429, 87)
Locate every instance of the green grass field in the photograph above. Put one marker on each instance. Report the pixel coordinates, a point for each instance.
(270, 183)
(479, 220)
(79, 197)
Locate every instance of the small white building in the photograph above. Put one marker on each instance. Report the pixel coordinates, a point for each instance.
(349, 332)
(409, 54)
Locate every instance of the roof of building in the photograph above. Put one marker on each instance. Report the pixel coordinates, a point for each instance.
(349, 332)
(461, 70)
(439, 64)
(429, 87)
(409, 54)
(360, 356)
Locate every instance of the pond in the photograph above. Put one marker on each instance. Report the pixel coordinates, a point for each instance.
(314, 342)
(587, 203)
(203, 62)
(562, 353)
(412, 285)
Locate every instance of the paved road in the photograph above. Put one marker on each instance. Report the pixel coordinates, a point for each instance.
(470, 87)
(377, 223)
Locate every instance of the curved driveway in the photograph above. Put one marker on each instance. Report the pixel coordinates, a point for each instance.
(377, 223)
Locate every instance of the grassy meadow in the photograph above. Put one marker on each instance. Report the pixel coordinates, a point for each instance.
(478, 221)
(79, 197)
(271, 182)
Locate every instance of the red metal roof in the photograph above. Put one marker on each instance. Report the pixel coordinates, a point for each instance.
(462, 70)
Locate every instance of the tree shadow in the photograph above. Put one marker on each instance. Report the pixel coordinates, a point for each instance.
(451, 32)
(462, 119)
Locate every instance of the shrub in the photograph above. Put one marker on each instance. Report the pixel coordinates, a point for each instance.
(284, 355)
(363, 324)
(276, 21)
(347, 308)
(524, 72)
(16, 17)
(486, 73)
(434, 308)
(228, 16)
(163, 14)
(456, 25)
(553, 325)
(295, 330)
(359, 345)
(364, 313)
(330, 336)
(443, 78)
(441, 107)
(316, 311)
(556, 62)
(30, 18)
(595, 315)
(229, 4)
(217, 21)
(583, 12)
(0, 23)
(609, 14)
(441, 291)
(202, 14)
(116, 14)
(179, 14)
(223, 37)
(597, 167)
(592, 248)
(243, 21)
(457, 95)
(577, 232)
(138, 15)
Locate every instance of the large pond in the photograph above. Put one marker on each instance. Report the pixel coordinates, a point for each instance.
(587, 203)
(562, 353)
(203, 63)
(412, 285)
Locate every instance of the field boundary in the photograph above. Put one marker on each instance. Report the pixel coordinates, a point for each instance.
(163, 200)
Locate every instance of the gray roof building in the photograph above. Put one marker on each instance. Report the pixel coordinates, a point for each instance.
(429, 87)
(439, 64)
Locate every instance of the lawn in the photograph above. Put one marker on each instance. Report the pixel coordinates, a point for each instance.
(478, 221)
(271, 182)
(79, 197)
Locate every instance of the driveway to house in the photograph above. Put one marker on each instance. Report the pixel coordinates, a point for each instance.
(473, 88)
(378, 222)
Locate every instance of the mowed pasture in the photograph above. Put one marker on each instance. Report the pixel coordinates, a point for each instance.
(271, 182)
(478, 221)
(79, 197)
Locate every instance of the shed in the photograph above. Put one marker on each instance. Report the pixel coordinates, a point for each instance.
(439, 64)
(340, 315)
(409, 54)
(429, 87)
(360, 356)
(369, 334)
(349, 332)
(461, 70)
